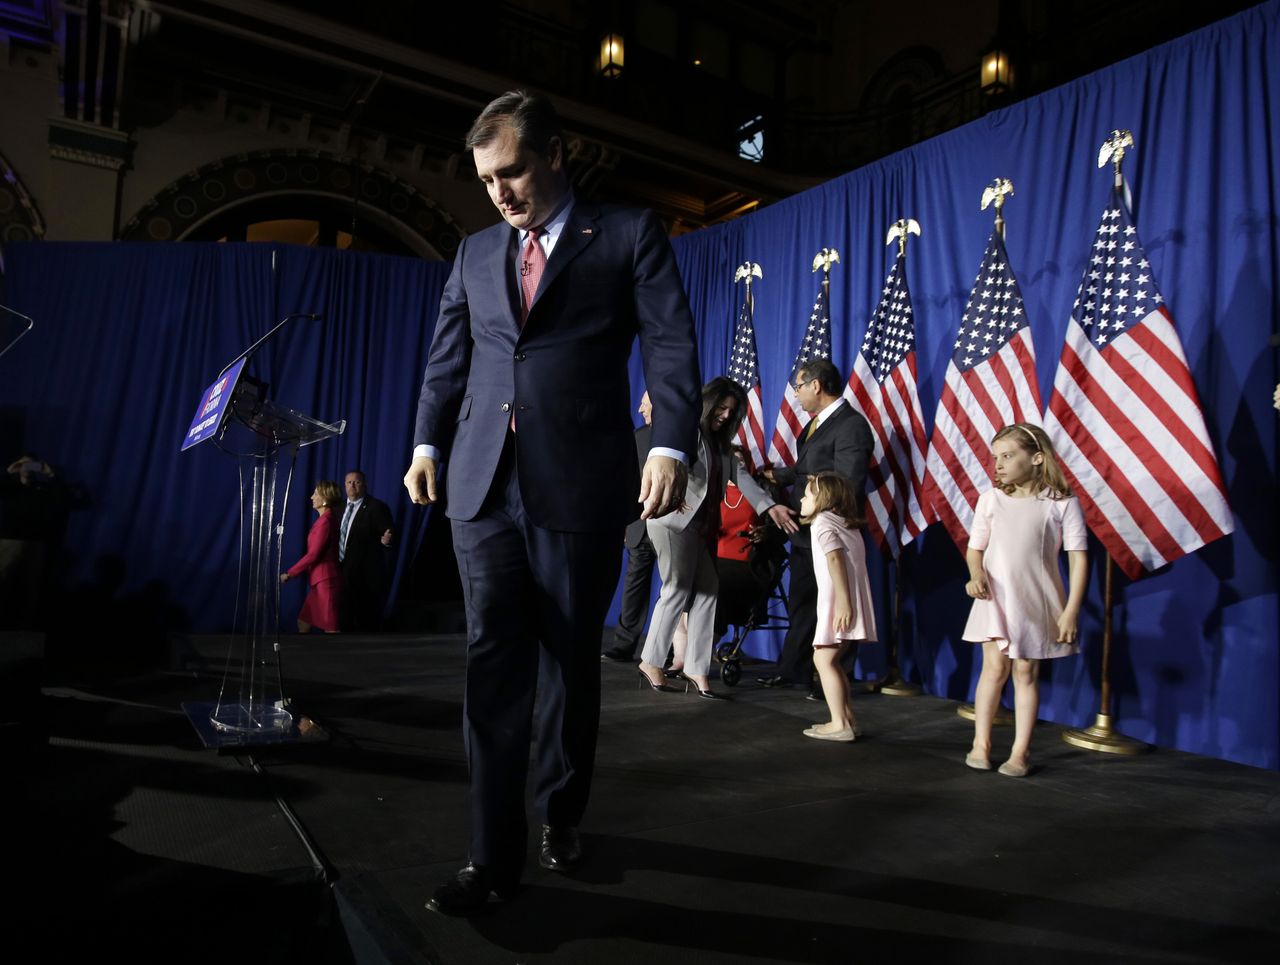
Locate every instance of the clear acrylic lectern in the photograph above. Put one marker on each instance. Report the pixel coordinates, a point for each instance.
(251, 708)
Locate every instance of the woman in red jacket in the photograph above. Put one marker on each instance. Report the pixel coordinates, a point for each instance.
(320, 609)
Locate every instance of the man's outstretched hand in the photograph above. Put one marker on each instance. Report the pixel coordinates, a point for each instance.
(662, 486)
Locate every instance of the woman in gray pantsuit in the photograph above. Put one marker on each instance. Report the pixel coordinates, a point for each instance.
(684, 541)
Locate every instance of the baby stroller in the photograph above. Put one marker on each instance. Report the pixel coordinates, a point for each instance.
(751, 598)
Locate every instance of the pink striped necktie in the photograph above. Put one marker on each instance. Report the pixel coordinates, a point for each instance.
(532, 261)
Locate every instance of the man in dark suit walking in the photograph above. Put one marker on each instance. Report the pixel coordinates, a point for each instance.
(523, 420)
(637, 584)
(836, 439)
(364, 547)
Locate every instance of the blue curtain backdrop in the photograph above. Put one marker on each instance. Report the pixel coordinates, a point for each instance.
(128, 336)
(1195, 666)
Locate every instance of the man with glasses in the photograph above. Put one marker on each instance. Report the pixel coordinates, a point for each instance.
(837, 439)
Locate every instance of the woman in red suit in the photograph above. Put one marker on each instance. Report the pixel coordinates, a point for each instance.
(320, 609)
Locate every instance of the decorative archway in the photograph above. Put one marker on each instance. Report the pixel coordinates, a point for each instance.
(279, 184)
(19, 218)
(914, 69)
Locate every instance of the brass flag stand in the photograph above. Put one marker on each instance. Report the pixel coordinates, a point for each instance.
(1102, 736)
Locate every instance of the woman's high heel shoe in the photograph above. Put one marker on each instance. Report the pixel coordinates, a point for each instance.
(646, 679)
(708, 694)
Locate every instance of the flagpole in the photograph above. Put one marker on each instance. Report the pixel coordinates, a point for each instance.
(748, 270)
(894, 684)
(750, 297)
(743, 369)
(824, 260)
(1102, 736)
(993, 193)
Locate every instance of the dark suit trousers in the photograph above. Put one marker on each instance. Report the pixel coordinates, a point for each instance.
(366, 598)
(796, 662)
(637, 589)
(536, 601)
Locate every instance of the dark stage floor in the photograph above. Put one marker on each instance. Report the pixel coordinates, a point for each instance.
(717, 832)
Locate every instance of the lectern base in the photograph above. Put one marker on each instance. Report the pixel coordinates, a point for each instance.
(232, 727)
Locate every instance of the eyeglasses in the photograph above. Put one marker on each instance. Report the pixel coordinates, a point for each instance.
(802, 383)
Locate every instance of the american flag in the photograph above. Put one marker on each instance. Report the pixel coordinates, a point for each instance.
(1124, 414)
(990, 383)
(883, 388)
(743, 370)
(792, 418)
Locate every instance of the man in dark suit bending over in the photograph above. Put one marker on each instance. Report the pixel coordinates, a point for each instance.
(524, 406)
(836, 439)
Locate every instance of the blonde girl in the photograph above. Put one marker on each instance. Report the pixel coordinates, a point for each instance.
(1021, 613)
(830, 506)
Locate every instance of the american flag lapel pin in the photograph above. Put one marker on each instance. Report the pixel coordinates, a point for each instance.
(587, 231)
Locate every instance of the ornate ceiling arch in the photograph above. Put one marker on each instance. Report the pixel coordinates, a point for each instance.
(196, 202)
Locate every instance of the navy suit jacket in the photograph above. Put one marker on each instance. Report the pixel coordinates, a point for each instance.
(367, 561)
(842, 444)
(610, 277)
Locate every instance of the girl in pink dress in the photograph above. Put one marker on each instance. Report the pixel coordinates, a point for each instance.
(320, 563)
(830, 505)
(1021, 614)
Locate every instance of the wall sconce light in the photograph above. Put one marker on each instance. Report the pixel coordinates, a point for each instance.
(996, 72)
(612, 55)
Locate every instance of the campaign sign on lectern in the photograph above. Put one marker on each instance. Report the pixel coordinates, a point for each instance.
(213, 408)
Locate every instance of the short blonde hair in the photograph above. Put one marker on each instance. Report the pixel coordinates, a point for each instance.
(329, 492)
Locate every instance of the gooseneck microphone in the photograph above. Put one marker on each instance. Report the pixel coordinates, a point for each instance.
(312, 316)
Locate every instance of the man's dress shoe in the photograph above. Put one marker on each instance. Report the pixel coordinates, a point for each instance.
(778, 681)
(561, 849)
(468, 890)
(620, 654)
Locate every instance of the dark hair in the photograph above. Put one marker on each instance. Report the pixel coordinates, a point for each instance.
(715, 392)
(835, 494)
(531, 116)
(826, 373)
